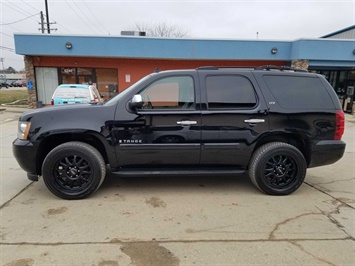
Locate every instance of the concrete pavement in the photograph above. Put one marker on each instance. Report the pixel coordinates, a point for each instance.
(179, 220)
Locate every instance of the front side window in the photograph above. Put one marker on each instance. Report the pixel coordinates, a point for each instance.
(229, 91)
(170, 93)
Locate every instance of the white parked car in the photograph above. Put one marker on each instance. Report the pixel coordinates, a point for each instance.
(75, 93)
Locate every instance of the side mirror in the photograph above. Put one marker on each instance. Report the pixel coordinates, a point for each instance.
(136, 102)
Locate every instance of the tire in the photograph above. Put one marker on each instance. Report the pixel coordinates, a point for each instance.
(277, 168)
(73, 170)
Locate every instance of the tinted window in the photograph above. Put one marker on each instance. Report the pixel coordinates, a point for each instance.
(299, 92)
(170, 93)
(227, 91)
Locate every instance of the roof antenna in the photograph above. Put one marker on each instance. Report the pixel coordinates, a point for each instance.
(156, 70)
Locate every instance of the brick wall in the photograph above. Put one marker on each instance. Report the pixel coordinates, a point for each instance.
(30, 76)
(300, 64)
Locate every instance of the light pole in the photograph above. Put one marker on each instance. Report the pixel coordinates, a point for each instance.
(3, 68)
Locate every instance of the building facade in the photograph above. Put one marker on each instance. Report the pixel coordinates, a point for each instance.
(115, 63)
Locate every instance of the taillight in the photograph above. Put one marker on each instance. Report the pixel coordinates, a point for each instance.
(339, 124)
(52, 102)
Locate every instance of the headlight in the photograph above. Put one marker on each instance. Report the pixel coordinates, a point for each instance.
(23, 129)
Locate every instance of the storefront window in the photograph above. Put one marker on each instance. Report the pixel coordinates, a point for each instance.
(86, 75)
(84, 71)
(340, 88)
(68, 75)
(106, 79)
(333, 78)
(352, 74)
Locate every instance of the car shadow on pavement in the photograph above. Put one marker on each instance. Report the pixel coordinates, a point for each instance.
(175, 184)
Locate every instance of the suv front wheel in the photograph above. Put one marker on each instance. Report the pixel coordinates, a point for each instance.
(73, 170)
(277, 168)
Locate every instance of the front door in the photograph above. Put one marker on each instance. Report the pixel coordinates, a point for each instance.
(166, 131)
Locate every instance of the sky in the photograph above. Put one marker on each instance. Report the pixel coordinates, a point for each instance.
(233, 19)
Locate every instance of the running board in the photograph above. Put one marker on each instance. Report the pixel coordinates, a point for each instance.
(178, 172)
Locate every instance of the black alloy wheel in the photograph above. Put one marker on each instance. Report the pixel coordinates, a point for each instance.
(280, 171)
(277, 168)
(72, 173)
(73, 170)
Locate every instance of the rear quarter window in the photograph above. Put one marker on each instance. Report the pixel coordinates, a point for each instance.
(299, 92)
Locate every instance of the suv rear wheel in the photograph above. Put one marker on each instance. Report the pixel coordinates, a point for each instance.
(277, 168)
(73, 170)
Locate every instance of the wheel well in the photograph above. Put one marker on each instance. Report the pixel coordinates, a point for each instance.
(292, 139)
(53, 141)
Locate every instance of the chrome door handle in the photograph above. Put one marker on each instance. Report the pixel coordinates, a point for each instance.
(254, 121)
(186, 123)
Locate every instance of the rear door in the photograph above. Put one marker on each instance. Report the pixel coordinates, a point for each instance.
(234, 118)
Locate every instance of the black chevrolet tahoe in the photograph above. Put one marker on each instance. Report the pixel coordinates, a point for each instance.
(273, 123)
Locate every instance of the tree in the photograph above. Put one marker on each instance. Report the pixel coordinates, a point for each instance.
(162, 29)
(10, 70)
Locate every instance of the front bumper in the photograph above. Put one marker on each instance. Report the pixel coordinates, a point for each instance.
(327, 152)
(25, 153)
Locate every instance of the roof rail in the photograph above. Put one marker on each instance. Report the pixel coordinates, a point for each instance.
(207, 68)
(222, 67)
(281, 68)
(266, 67)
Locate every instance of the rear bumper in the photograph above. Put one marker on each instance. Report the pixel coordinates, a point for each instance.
(25, 154)
(327, 152)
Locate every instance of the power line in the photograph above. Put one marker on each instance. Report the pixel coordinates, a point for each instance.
(6, 24)
(88, 18)
(58, 23)
(104, 29)
(79, 15)
(7, 48)
(18, 30)
(6, 34)
(61, 25)
(30, 6)
(18, 9)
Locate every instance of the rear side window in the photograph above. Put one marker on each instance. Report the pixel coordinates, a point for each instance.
(229, 91)
(299, 92)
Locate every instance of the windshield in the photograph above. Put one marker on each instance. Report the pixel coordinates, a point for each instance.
(126, 91)
(71, 93)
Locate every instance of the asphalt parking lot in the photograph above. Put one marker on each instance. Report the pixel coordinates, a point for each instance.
(178, 221)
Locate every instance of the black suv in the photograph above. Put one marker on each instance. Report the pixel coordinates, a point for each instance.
(273, 123)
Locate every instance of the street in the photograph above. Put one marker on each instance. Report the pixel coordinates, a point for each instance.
(178, 220)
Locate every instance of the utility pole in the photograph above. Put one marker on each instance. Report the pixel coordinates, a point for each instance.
(42, 22)
(47, 14)
(3, 68)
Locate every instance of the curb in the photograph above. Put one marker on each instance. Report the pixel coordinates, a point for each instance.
(14, 109)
